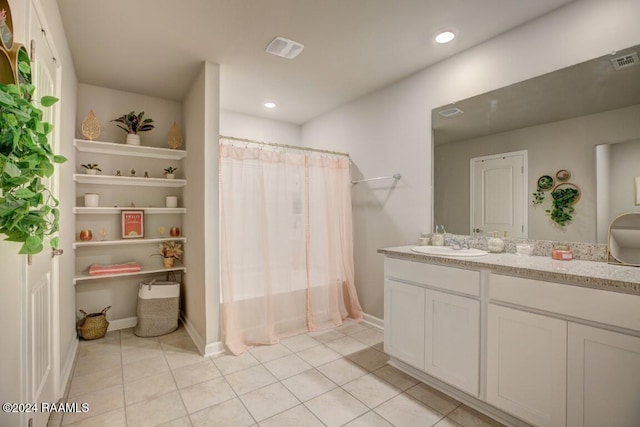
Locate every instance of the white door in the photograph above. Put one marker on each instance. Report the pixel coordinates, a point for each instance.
(527, 365)
(404, 322)
(499, 194)
(42, 288)
(603, 378)
(452, 340)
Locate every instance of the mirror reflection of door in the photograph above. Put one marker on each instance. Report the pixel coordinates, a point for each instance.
(499, 194)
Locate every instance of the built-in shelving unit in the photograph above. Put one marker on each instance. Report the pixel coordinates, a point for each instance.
(115, 190)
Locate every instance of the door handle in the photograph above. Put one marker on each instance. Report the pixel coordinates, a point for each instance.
(56, 252)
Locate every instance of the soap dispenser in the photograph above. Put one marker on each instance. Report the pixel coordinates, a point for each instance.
(495, 244)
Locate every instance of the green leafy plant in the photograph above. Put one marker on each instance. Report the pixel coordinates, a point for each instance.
(134, 122)
(538, 197)
(169, 170)
(170, 249)
(92, 166)
(28, 210)
(563, 200)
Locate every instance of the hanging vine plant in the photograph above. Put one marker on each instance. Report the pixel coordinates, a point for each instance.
(564, 197)
(28, 210)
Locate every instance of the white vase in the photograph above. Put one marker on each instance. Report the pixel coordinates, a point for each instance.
(170, 175)
(133, 139)
(91, 171)
(171, 201)
(91, 200)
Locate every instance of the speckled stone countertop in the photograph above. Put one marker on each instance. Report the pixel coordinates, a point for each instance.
(591, 274)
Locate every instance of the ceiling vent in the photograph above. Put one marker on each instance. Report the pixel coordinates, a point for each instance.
(625, 61)
(450, 112)
(284, 47)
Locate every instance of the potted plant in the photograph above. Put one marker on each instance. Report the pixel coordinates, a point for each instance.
(169, 172)
(133, 123)
(563, 201)
(91, 169)
(170, 250)
(28, 211)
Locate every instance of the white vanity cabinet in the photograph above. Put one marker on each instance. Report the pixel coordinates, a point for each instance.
(527, 365)
(603, 378)
(433, 330)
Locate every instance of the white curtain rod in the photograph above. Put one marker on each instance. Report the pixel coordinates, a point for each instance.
(273, 144)
(396, 177)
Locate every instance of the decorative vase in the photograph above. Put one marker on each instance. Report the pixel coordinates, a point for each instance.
(171, 201)
(174, 231)
(91, 200)
(86, 235)
(170, 175)
(133, 139)
(91, 171)
(168, 262)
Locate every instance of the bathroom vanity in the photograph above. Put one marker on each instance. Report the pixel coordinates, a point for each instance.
(524, 339)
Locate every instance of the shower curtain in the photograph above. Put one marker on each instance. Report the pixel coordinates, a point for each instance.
(286, 243)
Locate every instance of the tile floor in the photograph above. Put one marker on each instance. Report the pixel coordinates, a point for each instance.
(330, 378)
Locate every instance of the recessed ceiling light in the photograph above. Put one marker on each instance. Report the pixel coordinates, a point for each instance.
(269, 105)
(445, 37)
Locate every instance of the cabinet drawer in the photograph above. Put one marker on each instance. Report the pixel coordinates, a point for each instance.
(437, 276)
(611, 308)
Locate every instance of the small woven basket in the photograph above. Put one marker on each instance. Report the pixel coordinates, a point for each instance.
(93, 326)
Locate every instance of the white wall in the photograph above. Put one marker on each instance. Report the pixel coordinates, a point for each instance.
(259, 129)
(389, 131)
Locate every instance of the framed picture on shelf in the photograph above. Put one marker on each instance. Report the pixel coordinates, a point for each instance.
(132, 224)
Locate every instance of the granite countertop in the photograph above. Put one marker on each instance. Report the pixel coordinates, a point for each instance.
(591, 274)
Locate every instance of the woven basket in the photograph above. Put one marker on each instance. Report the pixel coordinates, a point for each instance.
(93, 326)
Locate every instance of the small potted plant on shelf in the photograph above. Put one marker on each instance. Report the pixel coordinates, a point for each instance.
(134, 123)
(91, 169)
(169, 172)
(170, 250)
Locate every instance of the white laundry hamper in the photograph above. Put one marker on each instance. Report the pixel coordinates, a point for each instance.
(158, 308)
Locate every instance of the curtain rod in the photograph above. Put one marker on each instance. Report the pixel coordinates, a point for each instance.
(273, 144)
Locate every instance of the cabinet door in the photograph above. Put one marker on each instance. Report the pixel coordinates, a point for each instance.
(526, 365)
(452, 339)
(404, 322)
(603, 378)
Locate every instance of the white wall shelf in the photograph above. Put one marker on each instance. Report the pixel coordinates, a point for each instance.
(128, 150)
(81, 277)
(128, 181)
(125, 242)
(79, 210)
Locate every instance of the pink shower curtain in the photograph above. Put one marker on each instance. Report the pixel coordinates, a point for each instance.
(286, 244)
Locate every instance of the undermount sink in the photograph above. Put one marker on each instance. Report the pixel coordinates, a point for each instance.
(448, 251)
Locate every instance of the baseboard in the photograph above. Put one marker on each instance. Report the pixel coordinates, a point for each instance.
(67, 369)
(117, 324)
(206, 350)
(373, 321)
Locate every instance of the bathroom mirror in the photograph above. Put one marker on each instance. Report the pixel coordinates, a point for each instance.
(624, 239)
(559, 118)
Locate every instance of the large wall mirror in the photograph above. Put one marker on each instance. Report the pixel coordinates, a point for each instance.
(563, 120)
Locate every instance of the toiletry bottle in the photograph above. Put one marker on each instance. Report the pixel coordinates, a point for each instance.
(495, 244)
(562, 253)
(438, 237)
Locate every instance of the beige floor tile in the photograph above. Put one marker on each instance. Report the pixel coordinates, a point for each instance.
(326, 335)
(434, 398)
(468, 417)
(180, 422)
(229, 363)
(115, 418)
(287, 366)
(196, 373)
(319, 355)
(99, 346)
(336, 407)
(379, 346)
(298, 416)
(99, 402)
(342, 371)
(396, 377)
(94, 381)
(208, 393)
(179, 343)
(309, 384)
(148, 388)
(447, 422)
(371, 390)
(136, 354)
(370, 419)
(347, 346)
(179, 333)
(369, 337)
(403, 411)
(229, 413)
(267, 353)
(299, 342)
(268, 401)
(250, 379)
(369, 359)
(145, 368)
(179, 358)
(90, 363)
(156, 411)
(136, 341)
(350, 328)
